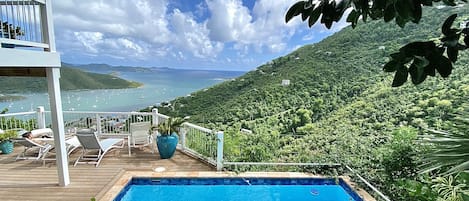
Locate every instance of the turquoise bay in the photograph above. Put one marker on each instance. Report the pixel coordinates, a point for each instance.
(159, 85)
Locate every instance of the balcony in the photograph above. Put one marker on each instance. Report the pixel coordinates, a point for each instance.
(26, 32)
(200, 151)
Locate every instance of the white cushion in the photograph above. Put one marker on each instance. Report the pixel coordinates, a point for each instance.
(41, 132)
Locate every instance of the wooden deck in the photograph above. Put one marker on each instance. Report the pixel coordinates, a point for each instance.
(30, 180)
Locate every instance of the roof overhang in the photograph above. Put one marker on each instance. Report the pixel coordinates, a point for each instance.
(23, 72)
(18, 62)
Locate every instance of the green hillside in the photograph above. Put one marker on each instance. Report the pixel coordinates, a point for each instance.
(71, 79)
(339, 107)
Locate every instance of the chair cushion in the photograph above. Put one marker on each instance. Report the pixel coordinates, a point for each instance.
(41, 132)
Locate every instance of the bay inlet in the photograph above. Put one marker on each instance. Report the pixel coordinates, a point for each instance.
(158, 86)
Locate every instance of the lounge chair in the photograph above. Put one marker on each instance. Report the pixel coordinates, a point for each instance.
(90, 142)
(139, 135)
(72, 144)
(35, 150)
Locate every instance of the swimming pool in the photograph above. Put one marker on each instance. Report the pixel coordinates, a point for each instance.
(237, 189)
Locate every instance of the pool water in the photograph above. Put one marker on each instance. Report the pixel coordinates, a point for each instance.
(237, 189)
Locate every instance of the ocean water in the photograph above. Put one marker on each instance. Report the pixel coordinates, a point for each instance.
(159, 85)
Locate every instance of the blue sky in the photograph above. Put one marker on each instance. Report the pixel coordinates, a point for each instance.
(194, 34)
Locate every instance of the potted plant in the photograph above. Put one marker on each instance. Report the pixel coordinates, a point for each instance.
(6, 145)
(167, 137)
(10, 31)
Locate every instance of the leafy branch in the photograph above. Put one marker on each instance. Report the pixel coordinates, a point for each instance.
(417, 59)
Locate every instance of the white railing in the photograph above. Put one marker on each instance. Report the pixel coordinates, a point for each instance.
(199, 142)
(194, 140)
(23, 120)
(102, 122)
(22, 23)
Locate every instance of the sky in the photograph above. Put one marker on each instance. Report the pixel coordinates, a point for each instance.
(236, 35)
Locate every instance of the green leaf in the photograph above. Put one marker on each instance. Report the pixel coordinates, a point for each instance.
(446, 28)
(404, 9)
(353, 18)
(400, 21)
(444, 67)
(449, 2)
(417, 11)
(397, 56)
(417, 70)
(391, 66)
(389, 13)
(314, 16)
(365, 8)
(328, 13)
(452, 39)
(430, 70)
(295, 10)
(379, 4)
(418, 48)
(401, 76)
(452, 53)
(427, 2)
(340, 8)
(305, 14)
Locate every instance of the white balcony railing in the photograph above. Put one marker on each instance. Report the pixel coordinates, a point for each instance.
(23, 24)
(194, 140)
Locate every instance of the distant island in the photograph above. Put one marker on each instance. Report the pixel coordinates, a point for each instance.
(107, 69)
(71, 79)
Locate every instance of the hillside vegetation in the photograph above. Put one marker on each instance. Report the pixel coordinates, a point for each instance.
(71, 79)
(339, 107)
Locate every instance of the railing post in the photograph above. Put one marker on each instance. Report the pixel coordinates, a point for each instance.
(98, 124)
(41, 117)
(155, 116)
(183, 138)
(220, 150)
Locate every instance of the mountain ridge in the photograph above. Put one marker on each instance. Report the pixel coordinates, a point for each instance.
(71, 79)
(339, 107)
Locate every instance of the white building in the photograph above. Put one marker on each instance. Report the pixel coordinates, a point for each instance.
(285, 82)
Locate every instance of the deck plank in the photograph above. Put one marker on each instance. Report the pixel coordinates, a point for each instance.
(29, 180)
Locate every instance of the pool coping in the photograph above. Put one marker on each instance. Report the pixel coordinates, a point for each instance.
(108, 194)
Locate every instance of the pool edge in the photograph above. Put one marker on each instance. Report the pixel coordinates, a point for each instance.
(125, 178)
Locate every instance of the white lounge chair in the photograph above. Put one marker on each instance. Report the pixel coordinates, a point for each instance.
(72, 144)
(90, 142)
(139, 135)
(35, 150)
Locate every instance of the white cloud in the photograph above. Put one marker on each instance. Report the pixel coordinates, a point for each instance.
(154, 31)
(89, 40)
(193, 37)
(264, 27)
(124, 25)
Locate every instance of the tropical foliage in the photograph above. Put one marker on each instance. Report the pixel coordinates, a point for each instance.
(340, 108)
(417, 59)
(170, 125)
(451, 148)
(7, 135)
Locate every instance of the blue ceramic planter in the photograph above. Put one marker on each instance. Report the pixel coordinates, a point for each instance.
(6, 146)
(167, 145)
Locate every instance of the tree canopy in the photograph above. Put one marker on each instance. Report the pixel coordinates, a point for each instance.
(417, 59)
